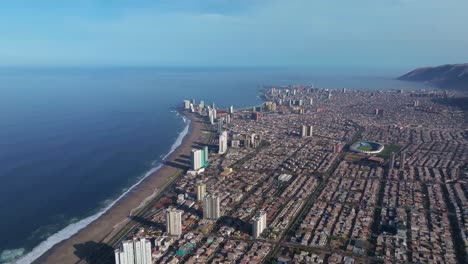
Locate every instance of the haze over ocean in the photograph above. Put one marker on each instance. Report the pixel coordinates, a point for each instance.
(80, 137)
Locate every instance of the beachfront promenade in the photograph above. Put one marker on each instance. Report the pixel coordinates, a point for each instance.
(324, 203)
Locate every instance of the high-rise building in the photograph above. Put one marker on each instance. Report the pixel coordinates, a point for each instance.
(137, 251)
(173, 222)
(228, 119)
(201, 191)
(307, 131)
(196, 159)
(202, 104)
(220, 125)
(270, 106)
(223, 142)
(259, 224)
(186, 104)
(212, 115)
(231, 110)
(392, 161)
(120, 257)
(199, 158)
(212, 118)
(205, 160)
(142, 251)
(211, 209)
(402, 160)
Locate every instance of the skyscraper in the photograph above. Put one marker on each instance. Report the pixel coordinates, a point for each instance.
(142, 251)
(211, 116)
(231, 109)
(214, 113)
(223, 140)
(173, 222)
(199, 158)
(196, 159)
(259, 224)
(201, 191)
(137, 251)
(211, 209)
(307, 131)
(205, 153)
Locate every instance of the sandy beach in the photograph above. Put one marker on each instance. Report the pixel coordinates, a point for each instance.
(99, 231)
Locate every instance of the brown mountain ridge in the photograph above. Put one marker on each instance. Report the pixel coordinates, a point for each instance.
(450, 76)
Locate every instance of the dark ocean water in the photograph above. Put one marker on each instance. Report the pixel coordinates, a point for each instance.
(72, 140)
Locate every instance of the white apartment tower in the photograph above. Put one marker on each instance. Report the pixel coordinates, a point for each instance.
(196, 158)
(211, 209)
(307, 131)
(201, 191)
(223, 142)
(173, 222)
(137, 251)
(259, 224)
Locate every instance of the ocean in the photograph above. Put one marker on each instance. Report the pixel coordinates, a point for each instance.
(74, 140)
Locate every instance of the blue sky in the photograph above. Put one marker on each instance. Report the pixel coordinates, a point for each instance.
(357, 33)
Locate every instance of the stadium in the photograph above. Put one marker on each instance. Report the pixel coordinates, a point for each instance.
(367, 147)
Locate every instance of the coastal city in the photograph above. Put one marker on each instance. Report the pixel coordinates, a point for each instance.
(312, 176)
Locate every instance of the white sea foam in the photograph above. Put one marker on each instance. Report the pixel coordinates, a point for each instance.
(11, 254)
(73, 228)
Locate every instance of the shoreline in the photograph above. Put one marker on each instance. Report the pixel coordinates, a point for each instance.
(106, 225)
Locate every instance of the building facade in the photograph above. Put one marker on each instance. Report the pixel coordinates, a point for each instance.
(201, 191)
(307, 131)
(223, 142)
(173, 222)
(137, 251)
(259, 224)
(211, 207)
(199, 158)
